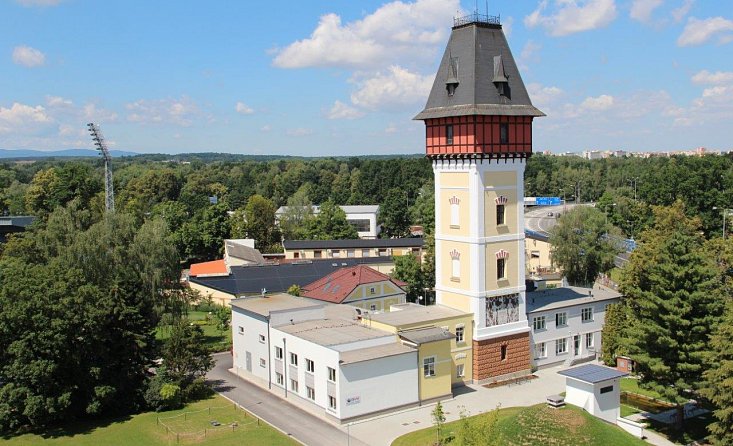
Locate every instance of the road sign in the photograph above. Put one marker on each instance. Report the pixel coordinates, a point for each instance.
(548, 201)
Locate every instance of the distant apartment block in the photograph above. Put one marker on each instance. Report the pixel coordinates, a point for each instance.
(354, 248)
(362, 218)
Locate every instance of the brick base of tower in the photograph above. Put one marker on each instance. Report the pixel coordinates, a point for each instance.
(488, 365)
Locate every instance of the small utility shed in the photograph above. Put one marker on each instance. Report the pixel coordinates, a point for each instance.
(596, 389)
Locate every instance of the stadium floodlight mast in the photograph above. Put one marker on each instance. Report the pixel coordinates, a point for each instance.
(109, 193)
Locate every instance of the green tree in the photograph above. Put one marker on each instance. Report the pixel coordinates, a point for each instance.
(394, 214)
(299, 212)
(479, 430)
(617, 319)
(718, 385)
(294, 290)
(259, 224)
(408, 269)
(438, 417)
(330, 224)
(202, 237)
(184, 354)
(584, 245)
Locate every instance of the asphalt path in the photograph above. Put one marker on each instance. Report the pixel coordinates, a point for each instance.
(538, 219)
(292, 421)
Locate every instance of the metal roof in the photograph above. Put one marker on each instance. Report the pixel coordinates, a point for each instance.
(20, 221)
(555, 298)
(415, 242)
(276, 302)
(592, 373)
(426, 335)
(407, 314)
(469, 64)
(236, 249)
(328, 332)
(370, 353)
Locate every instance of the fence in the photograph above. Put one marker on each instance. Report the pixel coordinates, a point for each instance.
(198, 425)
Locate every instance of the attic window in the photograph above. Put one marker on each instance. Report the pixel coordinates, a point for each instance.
(451, 81)
(500, 79)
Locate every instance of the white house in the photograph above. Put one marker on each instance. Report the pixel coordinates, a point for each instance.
(596, 389)
(566, 323)
(363, 218)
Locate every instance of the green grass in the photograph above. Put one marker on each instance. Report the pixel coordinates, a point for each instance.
(627, 410)
(538, 426)
(215, 339)
(632, 385)
(144, 430)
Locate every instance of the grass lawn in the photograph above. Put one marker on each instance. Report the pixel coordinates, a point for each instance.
(539, 425)
(632, 385)
(213, 337)
(144, 430)
(628, 410)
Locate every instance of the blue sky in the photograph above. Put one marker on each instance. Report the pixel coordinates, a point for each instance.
(343, 77)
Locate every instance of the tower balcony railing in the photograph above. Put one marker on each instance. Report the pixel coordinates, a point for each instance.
(475, 17)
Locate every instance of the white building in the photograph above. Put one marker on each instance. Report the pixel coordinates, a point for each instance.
(320, 358)
(362, 218)
(566, 323)
(596, 389)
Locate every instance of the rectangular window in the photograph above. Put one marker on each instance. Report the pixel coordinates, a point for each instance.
(539, 323)
(310, 366)
(373, 307)
(331, 375)
(588, 340)
(293, 359)
(241, 330)
(361, 225)
(294, 385)
(586, 314)
(350, 253)
(561, 319)
(332, 402)
(504, 133)
(365, 253)
(455, 268)
(279, 378)
(296, 255)
(383, 252)
(278, 353)
(607, 389)
(262, 339)
(372, 290)
(317, 254)
(500, 214)
(500, 269)
(335, 253)
(311, 393)
(540, 350)
(263, 363)
(460, 372)
(428, 366)
(449, 134)
(503, 352)
(459, 334)
(454, 217)
(561, 346)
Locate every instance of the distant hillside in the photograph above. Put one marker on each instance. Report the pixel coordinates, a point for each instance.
(76, 153)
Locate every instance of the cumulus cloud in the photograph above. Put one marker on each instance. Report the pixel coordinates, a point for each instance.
(343, 111)
(181, 112)
(300, 131)
(392, 33)
(679, 13)
(543, 97)
(572, 16)
(529, 54)
(22, 118)
(243, 109)
(705, 77)
(698, 31)
(28, 57)
(58, 101)
(600, 103)
(642, 10)
(396, 88)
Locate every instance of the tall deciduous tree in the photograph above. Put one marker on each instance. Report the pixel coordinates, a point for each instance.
(299, 212)
(330, 224)
(394, 214)
(408, 268)
(258, 222)
(185, 355)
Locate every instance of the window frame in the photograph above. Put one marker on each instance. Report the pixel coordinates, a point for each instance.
(561, 342)
(331, 374)
(591, 338)
(240, 330)
(262, 339)
(293, 385)
(332, 402)
(504, 352)
(500, 215)
(263, 362)
(310, 366)
(293, 359)
(542, 353)
(504, 133)
(279, 379)
(564, 319)
(449, 135)
(501, 269)
(460, 370)
(310, 393)
(428, 367)
(460, 334)
(586, 314)
(278, 353)
(543, 323)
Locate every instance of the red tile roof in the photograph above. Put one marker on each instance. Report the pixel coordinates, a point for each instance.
(336, 286)
(208, 269)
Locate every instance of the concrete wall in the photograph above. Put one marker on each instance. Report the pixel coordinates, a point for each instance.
(249, 342)
(432, 387)
(588, 396)
(218, 297)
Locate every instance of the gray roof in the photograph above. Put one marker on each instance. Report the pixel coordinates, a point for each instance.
(592, 373)
(328, 332)
(276, 302)
(426, 335)
(370, 353)
(354, 243)
(473, 60)
(409, 313)
(570, 296)
(238, 250)
(20, 221)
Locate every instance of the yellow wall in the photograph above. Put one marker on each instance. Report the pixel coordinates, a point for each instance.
(511, 266)
(462, 229)
(385, 295)
(543, 261)
(440, 384)
(308, 254)
(453, 179)
(464, 280)
(497, 179)
(217, 296)
(510, 213)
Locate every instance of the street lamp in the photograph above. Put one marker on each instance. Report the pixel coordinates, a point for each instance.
(634, 182)
(612, 205)
(726, 212)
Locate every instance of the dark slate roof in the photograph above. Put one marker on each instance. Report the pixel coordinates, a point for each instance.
(355, 243)
(248, 280)
(592, 373)
(569, 296)
(470, 59)
(20, 221)
(426, 335)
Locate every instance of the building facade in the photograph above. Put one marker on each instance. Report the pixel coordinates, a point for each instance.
(363, 218)
(350, 249)
(478, 121)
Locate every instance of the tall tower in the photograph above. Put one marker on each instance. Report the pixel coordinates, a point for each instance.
(478, 129)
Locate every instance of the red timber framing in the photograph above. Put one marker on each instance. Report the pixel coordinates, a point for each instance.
(479, 135)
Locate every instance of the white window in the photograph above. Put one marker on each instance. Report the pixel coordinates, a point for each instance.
(586, 314)
(278, 353)
(350, 253)
(365, 253)
(454, 222)
(561, 319)
(293, 359)
(262, 339)
(428, 366)
(310, 366)
(331, 375)
(459, 334)
(561, 346)
(294, 385)
(460, 371)
(241, 330)
(539, 323)
(332, 402)
(335, 253)
(279, 378)
(311, 393)
(455, 267)
(540, 350)
(263, 363)
(588, 340)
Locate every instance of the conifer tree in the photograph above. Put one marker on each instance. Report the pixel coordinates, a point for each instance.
(718, 385)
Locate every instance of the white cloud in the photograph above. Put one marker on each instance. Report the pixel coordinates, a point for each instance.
(391, 129)
(572, 16)
(265, 128)
(394, 32)
(38, 2)
(395, 89)
(600, 103)
(58, 101)
(92, 113)
(23, 119)
(719, 77)
(28, 57)
(529, 54)
(243, 109)
(642, 10)
(179, 112)
(542, 96)
(679, 13)
(507, 25)
(698, 31)
(300, 131)
(343, 111)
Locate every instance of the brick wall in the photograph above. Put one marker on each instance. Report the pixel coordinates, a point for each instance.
(487, 362)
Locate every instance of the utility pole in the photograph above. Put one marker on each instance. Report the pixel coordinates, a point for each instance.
(109, 193)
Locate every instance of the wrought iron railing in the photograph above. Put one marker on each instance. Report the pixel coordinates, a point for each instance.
(475, 17)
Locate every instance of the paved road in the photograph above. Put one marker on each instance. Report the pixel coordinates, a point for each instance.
(537, 218)
(302, 426)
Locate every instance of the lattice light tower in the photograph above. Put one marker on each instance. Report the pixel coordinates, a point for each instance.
(109, 193)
